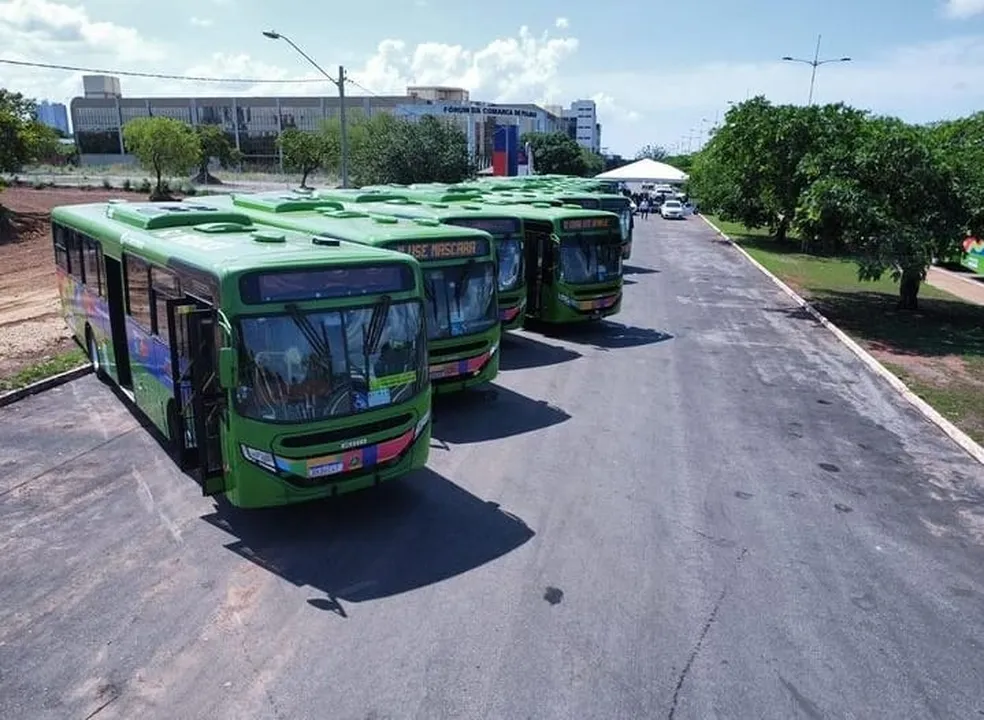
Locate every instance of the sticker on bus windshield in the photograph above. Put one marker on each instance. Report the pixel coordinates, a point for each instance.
(593, 223)
(392, 381)
(379, 397)
(446, 250)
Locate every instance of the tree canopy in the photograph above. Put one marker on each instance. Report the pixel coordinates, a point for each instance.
(164, 146)
(303, 152)
(23, 139)
(213, 142)
(653, 152)
(892, 196)
(558, 153)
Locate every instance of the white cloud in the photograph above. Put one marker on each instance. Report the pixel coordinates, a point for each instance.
(200, 22)
(962, 9)
(562, 23)
(49, 29)
(918, 82)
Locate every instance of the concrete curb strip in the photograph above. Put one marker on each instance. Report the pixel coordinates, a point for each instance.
(952, 431)
(46, 384)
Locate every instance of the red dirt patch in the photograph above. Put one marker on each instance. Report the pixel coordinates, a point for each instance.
(31, 327)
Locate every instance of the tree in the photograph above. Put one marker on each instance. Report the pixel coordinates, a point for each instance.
(653, 152)
(555, 153)
(757, 165)
(388, 149)
(960, 148)
(594, 163)
(214, 143)
(22, 138)
(303, 152)
(163, 146)
(683, 163)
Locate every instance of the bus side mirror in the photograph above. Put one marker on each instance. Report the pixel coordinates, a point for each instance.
(227, 368)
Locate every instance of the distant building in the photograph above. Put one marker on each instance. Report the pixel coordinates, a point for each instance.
(54, 115)
(253, 124)
(583, 115)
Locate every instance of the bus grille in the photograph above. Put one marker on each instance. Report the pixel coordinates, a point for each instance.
(356, 431)
(472, 347)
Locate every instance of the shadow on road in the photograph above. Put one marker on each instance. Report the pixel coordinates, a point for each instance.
(637, 270)
(397, 537)
(522, 353)
(490, 414)
(606, 335)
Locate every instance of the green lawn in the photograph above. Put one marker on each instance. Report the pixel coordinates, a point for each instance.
(46, 368)
(938, 351)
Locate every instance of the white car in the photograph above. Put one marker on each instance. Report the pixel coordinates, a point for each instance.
(672, 209)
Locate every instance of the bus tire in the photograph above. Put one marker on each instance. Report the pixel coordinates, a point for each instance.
(93, 350)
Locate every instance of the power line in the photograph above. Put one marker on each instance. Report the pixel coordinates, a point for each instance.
(163, 76)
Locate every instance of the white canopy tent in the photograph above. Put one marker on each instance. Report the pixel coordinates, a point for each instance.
(645, 171)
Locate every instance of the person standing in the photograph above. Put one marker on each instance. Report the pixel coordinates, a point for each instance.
(644, 208)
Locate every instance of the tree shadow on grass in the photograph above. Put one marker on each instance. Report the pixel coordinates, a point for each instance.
(940, 327)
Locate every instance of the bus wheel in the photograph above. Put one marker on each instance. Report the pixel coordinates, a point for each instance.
(93, 349)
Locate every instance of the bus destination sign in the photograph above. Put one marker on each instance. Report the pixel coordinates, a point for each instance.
(493, 226)
(591, 223)
(446, 250)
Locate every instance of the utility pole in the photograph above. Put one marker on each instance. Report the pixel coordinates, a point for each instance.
(339, 84)
(815, 63)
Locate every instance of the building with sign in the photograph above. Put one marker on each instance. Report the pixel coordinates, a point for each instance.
(253, 124)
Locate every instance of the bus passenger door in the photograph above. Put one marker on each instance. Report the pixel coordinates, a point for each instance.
(537, 246)
(199, 400)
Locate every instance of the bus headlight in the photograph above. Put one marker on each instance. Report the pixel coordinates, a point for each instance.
(259, 457)
(568, 301)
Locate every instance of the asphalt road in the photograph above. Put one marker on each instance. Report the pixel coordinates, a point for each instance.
(709, 509)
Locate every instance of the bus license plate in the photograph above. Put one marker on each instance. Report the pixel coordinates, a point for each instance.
(328, 469)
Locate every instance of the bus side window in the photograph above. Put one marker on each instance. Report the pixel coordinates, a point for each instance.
(93, 269)
(74, 245)
(164, 286)
(138, 291)
(61, 250)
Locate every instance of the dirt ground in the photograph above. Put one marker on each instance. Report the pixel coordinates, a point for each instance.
(31, 327)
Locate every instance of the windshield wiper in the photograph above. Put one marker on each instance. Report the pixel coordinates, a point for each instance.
(319, 343)
(373, 332)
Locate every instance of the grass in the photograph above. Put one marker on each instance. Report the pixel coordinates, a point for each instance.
(54, 365)
(938, 351)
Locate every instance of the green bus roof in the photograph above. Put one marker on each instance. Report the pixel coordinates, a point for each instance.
(439, 211)
(209, 238)
(355, 225)
(549, 213)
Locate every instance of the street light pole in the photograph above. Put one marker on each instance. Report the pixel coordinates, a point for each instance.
(339, 84)
(815, 63)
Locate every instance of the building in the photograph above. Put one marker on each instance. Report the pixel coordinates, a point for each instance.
(583, 116)
(54, 115)
(253, 124)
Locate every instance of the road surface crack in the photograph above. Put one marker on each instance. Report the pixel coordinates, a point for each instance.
(700, 641)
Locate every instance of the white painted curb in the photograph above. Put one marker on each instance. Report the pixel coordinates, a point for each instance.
(952, 431)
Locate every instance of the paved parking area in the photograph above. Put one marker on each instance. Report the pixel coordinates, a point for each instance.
(705, 508)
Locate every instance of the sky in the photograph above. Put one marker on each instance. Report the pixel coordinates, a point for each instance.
(659, 73)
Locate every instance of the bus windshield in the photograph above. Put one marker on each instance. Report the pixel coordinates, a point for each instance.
(508, 245)
(460, 299)
(590, 258)
(621, 208)
(303, 366)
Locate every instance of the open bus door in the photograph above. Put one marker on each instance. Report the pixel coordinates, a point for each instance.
(539, 248)
(199, 399)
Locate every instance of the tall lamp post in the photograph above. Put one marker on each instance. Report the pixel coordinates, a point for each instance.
(815, 63)
(339, 83)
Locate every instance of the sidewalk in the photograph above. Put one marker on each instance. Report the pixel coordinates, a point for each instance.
(963, 286)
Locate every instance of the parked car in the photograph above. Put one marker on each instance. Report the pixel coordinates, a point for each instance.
(672, 209)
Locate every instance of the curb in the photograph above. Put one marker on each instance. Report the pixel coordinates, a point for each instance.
(949, 429)
(957, 276)
(41, 385)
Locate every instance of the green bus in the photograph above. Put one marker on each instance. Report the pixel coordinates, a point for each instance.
(458, 266)
(617, 204)
(573, 262)
(280, 367)
(504, 227)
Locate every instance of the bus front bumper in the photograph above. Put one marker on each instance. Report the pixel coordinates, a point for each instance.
(458, 375)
